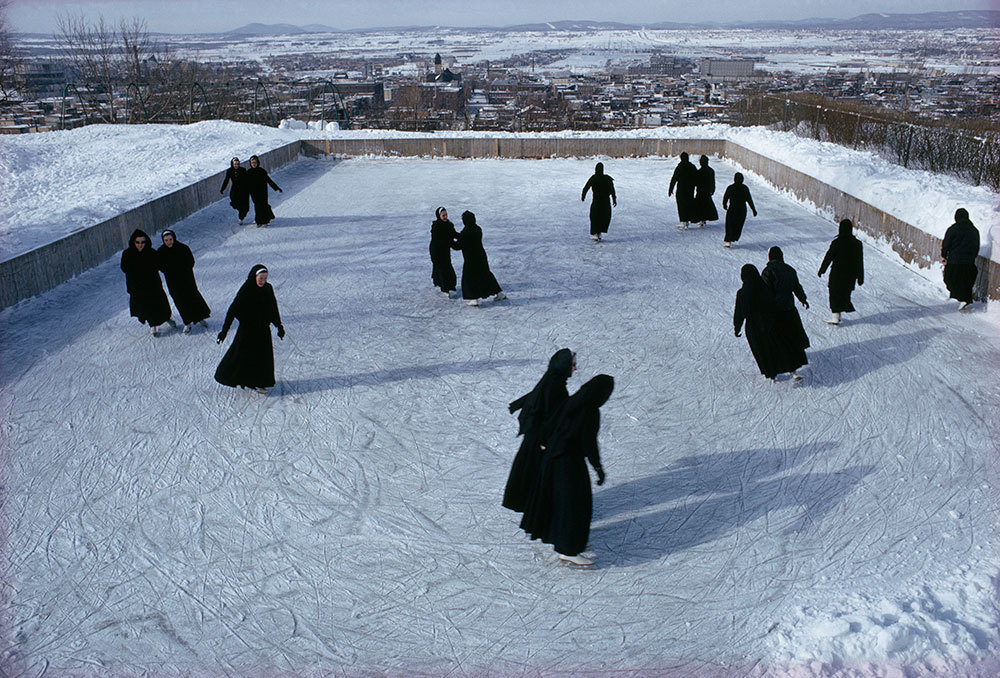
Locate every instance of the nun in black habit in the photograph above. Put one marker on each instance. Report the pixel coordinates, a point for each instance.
(177, 264)
(536, 407)
(783, 282)
(249, 362)
(146, 298)
(239, 198)
(704, 206)
(845, 259)
(478, 281)
(755, 313)
(257, 182)
(604, 197)
(684, 179)
(560, 505)
(735, 201)
(442, 243)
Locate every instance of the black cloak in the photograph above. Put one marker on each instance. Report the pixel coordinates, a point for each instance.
(146, 298)
(959, 249)
(783, 283)
(442, 243)
(249, 362)
(846, 263)
(257, 182)
(704, 206)
(535, 406)
(560, 505)
(685, 178)
(604, 191)
(177, 264)
(239, 197)
(755, 308)
(735, 201)
(478, 281)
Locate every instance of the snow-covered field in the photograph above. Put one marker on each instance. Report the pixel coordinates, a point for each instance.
(349, 522)
(59, 182)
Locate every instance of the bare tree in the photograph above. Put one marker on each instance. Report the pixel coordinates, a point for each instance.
(9, 61)
(94, 57)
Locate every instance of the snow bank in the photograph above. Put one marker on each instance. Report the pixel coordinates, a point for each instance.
(59, 182)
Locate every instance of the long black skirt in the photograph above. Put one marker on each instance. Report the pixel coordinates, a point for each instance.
(960, 280)
(560, 507)
(249, 362)
(600, 217)
(735, 218)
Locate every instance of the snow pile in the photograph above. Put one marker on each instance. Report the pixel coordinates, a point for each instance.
(59, 182)
(956, 619)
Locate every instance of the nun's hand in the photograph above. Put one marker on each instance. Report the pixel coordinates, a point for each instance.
(600, 475)
(281, 331)
(805, 304)
(737, 333)
(221, 338)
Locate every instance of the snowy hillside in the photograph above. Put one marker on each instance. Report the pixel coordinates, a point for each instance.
(349, 522)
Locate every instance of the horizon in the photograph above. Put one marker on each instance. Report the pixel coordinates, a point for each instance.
(188, 17)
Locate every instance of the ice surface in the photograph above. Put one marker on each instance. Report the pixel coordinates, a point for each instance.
(350, 521)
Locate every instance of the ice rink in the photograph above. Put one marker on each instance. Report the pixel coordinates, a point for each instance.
(349, 522)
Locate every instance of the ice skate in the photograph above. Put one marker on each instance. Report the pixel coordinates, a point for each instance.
(595, 237)
(726, 243)
(453, 294)
(240, 221)
(701, 224)
(203, 324)
(796, 376)
(962, 305)
(260, 389)
(576, 560)
(834, 319)
(186, 330)
(154, 330)
(170, 321)
(500, 296)
(683, 226)
(472, 302)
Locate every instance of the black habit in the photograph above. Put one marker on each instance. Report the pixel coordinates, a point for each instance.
(783, 283)
(604, 192)
(685, 178)
(846, 262)
(536, 407)
(704, 206)
(560, 505)
(442, 243)
(177, 264)
(146, 298)
(735, 201)
(478, 281)
(257, 182)
(755, 314)
(959, 249)
(239, 198)
(249, 362)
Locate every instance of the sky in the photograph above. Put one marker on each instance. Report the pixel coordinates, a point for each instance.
(191, 16)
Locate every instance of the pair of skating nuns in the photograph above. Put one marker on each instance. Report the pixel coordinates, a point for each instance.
(549, 483)
(249, 185)
(695, 187)
(478, 281)
(148, 303)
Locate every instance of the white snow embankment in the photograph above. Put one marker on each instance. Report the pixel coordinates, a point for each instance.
(59, 182)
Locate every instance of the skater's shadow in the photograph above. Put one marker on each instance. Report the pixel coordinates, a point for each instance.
(636, 540)
(378, 377)
(845, 363)
(901, 313)
(703, 475)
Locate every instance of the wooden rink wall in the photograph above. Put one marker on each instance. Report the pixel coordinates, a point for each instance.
(47, 266)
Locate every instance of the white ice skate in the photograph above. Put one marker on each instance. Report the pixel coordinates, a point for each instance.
(796, 376)
(260, 389)
(154, 330)
(701, 224)
(576, 560)
(595, 237)
(472, 302)
(834, 319)
(726, 243)
(187, 329)
(963, 305)
(500, 296)
(683, 226)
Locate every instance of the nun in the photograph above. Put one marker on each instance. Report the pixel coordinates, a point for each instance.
(249, 362)
(442, 243)
(147, 301)
(478, 281)
(177, 264)
(603, 187)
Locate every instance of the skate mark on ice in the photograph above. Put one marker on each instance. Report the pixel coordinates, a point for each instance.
(848, 362)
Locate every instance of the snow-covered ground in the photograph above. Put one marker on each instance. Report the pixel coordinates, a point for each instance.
(59, 182)
(349, 522)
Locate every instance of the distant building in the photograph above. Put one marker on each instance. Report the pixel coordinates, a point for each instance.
(725, 68)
